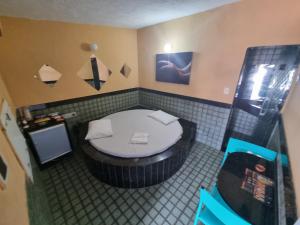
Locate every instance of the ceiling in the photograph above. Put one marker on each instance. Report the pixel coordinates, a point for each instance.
(120, 13)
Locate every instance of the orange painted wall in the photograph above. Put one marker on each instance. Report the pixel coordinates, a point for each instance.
(13, 202)
(28, 44)
(1, 32)
(219, 39)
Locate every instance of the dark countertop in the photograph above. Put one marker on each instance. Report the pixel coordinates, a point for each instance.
(37, 126)
(230, 180)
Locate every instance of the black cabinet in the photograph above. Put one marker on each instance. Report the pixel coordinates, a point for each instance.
(48, 141)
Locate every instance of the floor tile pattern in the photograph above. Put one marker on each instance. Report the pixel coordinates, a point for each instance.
(76, 197)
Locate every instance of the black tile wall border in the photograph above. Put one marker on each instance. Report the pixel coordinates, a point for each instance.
(91, 107)
(205, 101)
(211, 117)
(75, 100)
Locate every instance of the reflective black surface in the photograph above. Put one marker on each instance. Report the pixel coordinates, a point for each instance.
(287, 211)
(242, 202)
(265, 81)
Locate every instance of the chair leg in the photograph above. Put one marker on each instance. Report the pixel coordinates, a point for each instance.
(198, 211)
(197, 215)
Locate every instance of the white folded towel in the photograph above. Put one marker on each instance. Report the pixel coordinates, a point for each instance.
(163, 117)
(99, 129)
(139, 138)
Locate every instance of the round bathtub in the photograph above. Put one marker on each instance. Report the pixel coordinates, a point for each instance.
(122, 164)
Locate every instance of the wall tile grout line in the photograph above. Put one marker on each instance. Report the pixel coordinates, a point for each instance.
(211, 120)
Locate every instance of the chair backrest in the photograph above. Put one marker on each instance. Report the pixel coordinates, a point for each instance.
(219, 211)
(236, 145)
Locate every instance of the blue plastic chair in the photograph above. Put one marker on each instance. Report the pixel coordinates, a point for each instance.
(284, 159)
(212, 212)
(216, 195)
(236, 145)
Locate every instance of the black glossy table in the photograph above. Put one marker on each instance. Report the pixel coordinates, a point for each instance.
(229, 184)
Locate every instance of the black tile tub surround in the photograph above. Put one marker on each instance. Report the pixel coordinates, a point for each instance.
(137, 172)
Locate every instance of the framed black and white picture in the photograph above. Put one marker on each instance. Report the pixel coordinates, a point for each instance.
(174, 67)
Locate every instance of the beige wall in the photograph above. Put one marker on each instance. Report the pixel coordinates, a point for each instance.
(13, 204)
(291, 119)
(219, 39)
(1, 32)
(28, 44)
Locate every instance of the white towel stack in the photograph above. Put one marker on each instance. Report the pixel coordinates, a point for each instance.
(139, 138)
